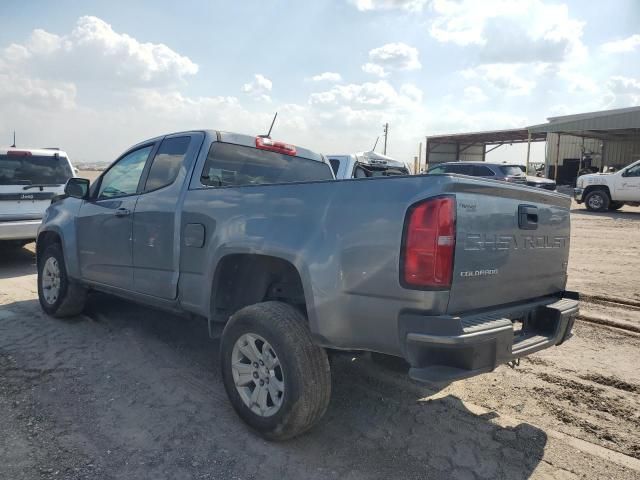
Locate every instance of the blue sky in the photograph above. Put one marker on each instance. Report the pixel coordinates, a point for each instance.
(95, 77)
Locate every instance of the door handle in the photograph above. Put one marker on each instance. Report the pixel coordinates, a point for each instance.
(528, 217)
(122, 212)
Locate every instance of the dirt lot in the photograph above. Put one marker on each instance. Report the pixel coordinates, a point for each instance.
(127, 392)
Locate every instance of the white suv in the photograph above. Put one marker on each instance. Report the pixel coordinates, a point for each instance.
(29, 179)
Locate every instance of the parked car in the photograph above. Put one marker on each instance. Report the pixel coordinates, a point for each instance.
(456, 275)
(538, 180)
(366, 164)
(609, 191)
(29, 179)
(493, 171)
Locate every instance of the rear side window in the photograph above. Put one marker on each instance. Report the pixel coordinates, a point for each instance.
(482, 171)
(460, 169)
(236, 165)
(436, 170)
(511, 170)
(34, 170)
(167, 162)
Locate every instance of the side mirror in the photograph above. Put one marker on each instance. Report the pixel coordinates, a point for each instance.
(77, 188)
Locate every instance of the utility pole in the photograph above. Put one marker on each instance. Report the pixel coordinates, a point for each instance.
(14, 140)
(386, 134)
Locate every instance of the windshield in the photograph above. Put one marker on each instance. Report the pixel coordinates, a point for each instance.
(511, 170)
(34, 169)
(364, 171)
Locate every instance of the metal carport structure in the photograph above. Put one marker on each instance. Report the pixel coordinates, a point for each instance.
(614, 134)
(473, 146)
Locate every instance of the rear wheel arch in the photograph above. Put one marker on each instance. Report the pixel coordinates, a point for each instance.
(245, 279)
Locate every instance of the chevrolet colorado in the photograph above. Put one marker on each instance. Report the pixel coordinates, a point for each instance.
(454, 274)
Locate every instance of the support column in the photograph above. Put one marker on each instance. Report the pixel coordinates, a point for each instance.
(555, 173)
(528, 151)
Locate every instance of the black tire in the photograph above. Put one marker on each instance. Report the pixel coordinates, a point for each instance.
(597, 201)
(304, 368)
(616, 205)
(71, 298)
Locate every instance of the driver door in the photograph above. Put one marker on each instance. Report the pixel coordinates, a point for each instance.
(628, 184)
(105, 222)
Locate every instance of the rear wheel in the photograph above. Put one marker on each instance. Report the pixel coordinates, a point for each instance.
(616, 205)
(597, 201)
(58, 296)
(277, 380)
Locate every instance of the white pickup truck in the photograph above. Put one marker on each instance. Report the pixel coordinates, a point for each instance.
(609, 191)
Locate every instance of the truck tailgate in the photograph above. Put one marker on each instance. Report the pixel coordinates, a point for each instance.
(512, 244)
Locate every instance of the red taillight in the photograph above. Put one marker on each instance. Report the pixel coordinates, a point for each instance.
(18, 153)
(429, 244)
(264, 143)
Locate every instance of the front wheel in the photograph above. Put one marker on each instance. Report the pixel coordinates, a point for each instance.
(57, 295)
(277, 380)
(597, 201)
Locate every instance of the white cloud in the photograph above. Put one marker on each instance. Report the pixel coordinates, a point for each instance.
(369, 95)
(327, 77)
(507, 79)
(374, 69)
(392, 56)
(94, 52)
(622, 92)
(629, 44)
(408, 5)
(412, 92)
(259, 88)
(17, 90)
(474, 94)
(510, 31)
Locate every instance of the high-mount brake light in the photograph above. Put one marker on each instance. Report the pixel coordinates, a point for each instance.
(18, 153)
(426, 260)
(264, 143)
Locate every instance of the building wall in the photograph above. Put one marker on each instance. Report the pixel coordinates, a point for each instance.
(604, 153)
(448, 152)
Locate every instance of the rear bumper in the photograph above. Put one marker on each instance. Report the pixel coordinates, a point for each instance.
(19, 230)
(577, 194)
(445, 349)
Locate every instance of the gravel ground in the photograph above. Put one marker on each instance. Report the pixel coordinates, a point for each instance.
(128, 392)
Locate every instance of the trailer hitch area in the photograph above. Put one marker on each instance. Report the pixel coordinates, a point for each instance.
(514, 363)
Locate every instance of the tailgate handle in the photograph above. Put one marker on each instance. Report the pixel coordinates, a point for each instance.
(528, 217)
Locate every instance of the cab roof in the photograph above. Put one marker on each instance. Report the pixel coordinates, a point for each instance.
(238, 139)
(41, 152)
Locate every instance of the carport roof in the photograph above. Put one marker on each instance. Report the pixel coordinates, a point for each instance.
(616, 124)
(492, 137)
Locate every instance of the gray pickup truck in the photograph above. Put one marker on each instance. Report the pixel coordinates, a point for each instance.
(454, 274)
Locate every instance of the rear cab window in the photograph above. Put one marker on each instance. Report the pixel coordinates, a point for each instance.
(230, 165)
(335, 165)
(367, 171)
(27, 169)
(511, 170)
